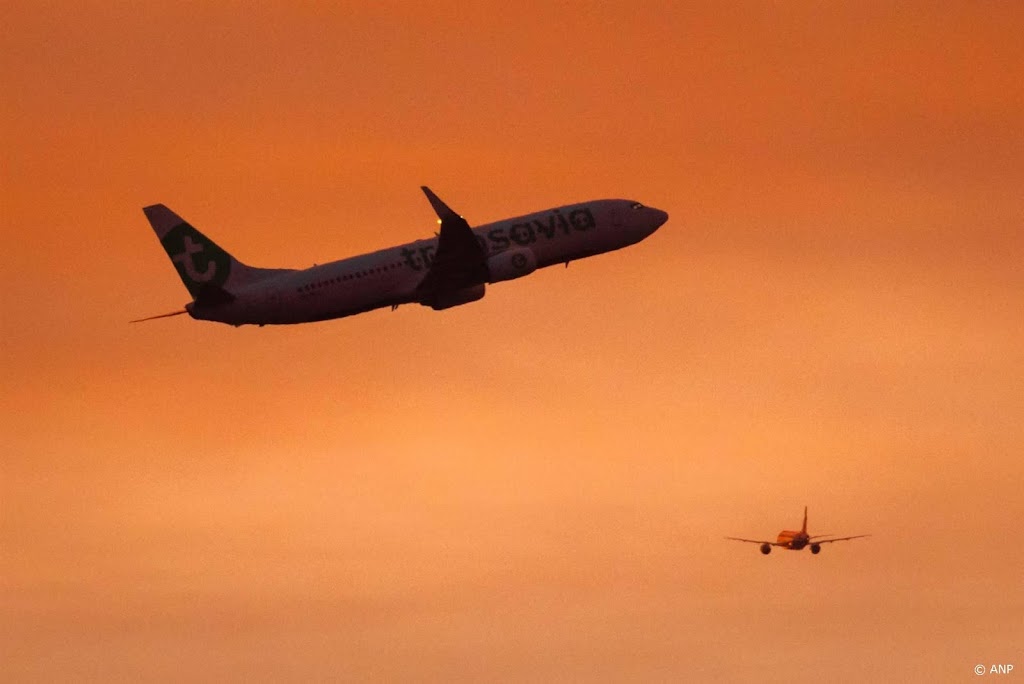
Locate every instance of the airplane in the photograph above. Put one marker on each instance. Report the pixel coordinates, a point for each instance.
(797, 541)
(450, 269)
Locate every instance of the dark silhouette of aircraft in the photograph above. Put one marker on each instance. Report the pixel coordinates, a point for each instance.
(797, 540)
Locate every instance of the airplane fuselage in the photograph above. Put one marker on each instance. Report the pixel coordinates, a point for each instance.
(391, 277)
(793, 540)
(797, 540)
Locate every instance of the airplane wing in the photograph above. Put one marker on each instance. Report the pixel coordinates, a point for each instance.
(758, 541)
(459, 261)
(826, 541)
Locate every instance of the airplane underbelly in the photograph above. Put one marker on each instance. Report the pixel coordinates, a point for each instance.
(359, 299)
(568, 248)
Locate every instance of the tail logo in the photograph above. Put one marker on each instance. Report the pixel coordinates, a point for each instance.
(185, 259)
(198, 260)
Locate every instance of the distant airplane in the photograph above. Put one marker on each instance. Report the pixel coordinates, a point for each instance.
(450, 269)
(796, 541)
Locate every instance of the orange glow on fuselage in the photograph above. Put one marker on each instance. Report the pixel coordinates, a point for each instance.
(794, 541)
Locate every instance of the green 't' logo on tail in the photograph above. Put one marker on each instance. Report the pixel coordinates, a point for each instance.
(198, 259)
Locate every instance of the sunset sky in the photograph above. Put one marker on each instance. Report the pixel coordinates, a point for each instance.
(535, 486)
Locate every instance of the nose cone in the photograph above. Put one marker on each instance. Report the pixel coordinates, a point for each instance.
(659, 218)
(651, 220)
(638, 220)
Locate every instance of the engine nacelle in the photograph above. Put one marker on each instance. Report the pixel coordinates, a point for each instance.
(511, 264)
(815, 548)
(449, 299)
(766, 549)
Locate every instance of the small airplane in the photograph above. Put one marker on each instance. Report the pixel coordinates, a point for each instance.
(796, 541)
(448, 270)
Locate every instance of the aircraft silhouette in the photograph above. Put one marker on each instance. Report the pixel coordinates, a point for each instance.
(797, 540)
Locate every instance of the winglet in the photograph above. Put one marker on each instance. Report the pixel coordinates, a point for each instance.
(442, 210)
(459, 261)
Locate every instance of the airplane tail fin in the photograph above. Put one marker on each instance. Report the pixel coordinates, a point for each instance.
(804, 528)
(202, 265)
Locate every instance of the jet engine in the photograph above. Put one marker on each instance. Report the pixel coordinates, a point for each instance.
(815, 548)
(511, 264)
(766, 549)
(447, 300)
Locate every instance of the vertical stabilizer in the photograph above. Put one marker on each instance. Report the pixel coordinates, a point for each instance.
(201, 263)
(804, 528)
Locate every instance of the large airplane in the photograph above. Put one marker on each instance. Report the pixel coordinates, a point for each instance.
(450, 269)
(797, 541)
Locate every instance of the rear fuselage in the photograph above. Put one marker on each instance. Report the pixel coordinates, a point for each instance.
(793, 540)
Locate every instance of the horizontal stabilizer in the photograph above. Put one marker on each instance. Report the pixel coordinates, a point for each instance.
(213, 295)
(153, 318)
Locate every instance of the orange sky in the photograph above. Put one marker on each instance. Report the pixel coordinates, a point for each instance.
(534, 486)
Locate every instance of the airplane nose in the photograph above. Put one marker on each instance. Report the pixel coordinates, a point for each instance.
(659, 218)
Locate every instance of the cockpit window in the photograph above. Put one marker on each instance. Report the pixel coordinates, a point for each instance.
(636, 205)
